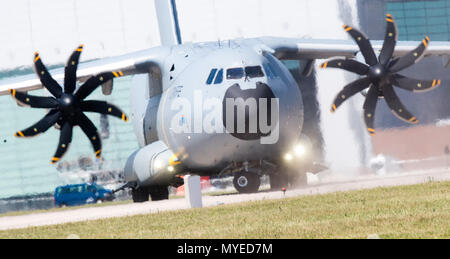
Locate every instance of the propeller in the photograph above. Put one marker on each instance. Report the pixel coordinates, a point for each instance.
(67, 107)
(381, 74)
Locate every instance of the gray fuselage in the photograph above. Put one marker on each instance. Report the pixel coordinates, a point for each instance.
(190, 100)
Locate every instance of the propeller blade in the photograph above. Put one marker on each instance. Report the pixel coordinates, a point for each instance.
(34, 101)
(347, 64)
(370, 104)
(364, 45)
(396, 105)
(65, 138)
(46, 79)
(41, 126)
(70, 71)
(103, 108)
(91, 132)
(390, 40)
(93, 82)
(415, 85)
(350, 90)
(411, 57)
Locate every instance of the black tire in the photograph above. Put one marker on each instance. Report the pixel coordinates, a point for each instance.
(139, 195)
(159, 192)
(246, 182)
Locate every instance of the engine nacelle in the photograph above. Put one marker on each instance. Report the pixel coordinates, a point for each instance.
(154, 164)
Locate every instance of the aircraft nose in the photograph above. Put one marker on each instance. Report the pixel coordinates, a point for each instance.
(238, 101)
(261, 90)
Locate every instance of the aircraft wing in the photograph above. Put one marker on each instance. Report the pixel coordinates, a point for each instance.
(291, 48)
(129, 64)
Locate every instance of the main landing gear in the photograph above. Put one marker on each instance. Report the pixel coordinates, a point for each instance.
(157, 193)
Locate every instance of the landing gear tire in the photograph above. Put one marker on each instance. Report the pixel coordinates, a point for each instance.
(139, 195)
(246, 182)
(159, 193)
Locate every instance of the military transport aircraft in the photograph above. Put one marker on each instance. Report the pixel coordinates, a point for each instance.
(217, 107)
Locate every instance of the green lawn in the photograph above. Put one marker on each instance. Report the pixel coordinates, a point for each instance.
(416, 211)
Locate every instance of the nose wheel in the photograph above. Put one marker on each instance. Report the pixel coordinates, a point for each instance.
(246, 182)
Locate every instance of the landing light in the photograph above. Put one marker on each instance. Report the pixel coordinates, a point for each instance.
(170, 168)
(288, 157)
(299, 150)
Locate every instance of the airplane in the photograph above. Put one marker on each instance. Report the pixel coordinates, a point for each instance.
(226, 107)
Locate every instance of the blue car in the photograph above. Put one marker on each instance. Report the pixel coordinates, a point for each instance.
(79, 194)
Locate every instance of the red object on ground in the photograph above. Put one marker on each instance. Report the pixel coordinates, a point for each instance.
(205, 182)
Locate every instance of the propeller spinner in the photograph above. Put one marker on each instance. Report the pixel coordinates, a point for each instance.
(66, 107)
(380, 74)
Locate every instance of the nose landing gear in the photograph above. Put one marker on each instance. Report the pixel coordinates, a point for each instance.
(246, 182)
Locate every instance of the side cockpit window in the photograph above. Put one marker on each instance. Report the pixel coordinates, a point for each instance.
(254, 71)
(211, 76)
(219, 77)
(235, 73)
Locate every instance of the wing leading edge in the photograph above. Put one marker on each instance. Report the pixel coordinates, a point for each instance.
(293, 48)
(130, 64)
(283, 48)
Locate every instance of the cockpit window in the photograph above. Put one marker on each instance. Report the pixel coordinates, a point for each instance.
(235, 73)
(211, 76)
(219, 77)
(254, 71)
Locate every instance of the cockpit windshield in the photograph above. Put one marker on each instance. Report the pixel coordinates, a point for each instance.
(253, 72)
(235, 73)
(249, 72)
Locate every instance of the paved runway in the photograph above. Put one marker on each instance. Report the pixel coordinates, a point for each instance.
(323, 186)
